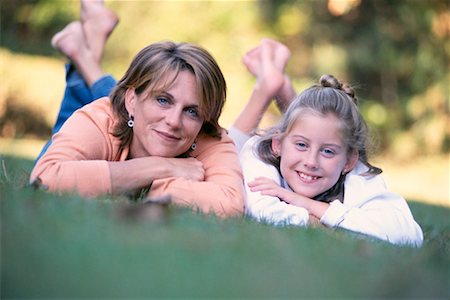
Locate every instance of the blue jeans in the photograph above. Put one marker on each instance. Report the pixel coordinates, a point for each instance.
(76, 95)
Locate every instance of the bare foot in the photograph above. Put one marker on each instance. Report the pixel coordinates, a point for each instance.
(270, 76)
(267, 62)
(281, 53)
(98, 23)
(281, 57)
(72, 43)
(252, 60)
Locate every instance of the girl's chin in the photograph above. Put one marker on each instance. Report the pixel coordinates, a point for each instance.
(308, 194)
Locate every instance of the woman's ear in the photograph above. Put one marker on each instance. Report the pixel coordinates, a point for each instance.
(351, 162)
(130, 100)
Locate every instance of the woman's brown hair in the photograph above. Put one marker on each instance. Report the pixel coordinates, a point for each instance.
(156, 67)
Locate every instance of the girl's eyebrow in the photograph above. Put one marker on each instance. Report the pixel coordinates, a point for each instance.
(296, 136)
(325, 145)
(333, 145)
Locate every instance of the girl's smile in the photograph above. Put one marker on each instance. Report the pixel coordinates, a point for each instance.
(307, 178)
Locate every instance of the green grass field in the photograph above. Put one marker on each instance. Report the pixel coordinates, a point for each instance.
(66, 247)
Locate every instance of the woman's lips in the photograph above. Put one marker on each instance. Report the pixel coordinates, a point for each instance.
(167, 136)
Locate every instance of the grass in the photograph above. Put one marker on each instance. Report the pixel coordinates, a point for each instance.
(68, 247)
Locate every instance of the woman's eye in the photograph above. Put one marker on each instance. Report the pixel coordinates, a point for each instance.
(162, 100)
(192, 112)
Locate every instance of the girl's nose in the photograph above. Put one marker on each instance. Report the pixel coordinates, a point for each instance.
(310, 160)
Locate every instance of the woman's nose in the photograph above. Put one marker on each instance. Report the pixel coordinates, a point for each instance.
(173, 118)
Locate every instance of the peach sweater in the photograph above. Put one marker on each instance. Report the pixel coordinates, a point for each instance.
(77, 160)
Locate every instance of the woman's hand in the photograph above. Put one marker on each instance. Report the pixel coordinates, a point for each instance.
(188, 168)
(141, 172)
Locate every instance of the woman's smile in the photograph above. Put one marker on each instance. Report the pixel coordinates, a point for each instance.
(166, 136)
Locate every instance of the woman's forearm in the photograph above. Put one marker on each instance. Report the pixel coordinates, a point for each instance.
(141, 172)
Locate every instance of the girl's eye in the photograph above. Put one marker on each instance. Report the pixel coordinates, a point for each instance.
(301, 145)
(328, 152)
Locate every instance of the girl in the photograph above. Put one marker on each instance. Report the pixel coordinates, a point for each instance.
(313, 166)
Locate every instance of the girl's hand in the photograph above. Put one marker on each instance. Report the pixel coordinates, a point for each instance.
(269, 187)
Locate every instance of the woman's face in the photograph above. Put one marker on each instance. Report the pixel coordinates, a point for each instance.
(312, 154)
(167, 123)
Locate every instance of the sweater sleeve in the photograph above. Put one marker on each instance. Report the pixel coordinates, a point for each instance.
(369, 208)
(262, 207)
(77, 157)
(239, 138)
(221, 192)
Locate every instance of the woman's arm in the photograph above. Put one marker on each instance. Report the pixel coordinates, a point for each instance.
(264, 207)
(84, 157)
(77, 158)
(137, 173)
(222, 190)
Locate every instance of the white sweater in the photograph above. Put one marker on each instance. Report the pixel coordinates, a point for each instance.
(368, 208)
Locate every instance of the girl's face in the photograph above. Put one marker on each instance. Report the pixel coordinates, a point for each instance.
(165, 124)
(313, 155)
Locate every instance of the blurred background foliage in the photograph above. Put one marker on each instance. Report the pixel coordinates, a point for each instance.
(396, 54)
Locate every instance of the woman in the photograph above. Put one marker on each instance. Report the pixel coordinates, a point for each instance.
(158, 131)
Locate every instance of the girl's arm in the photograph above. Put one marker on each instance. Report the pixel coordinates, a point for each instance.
(263, 207)
(368, 208)
(371, 209)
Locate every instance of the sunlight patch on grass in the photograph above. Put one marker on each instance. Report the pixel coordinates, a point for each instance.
(36, 82)
(26, 148)
(424, 179)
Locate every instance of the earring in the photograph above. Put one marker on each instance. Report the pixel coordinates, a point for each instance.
(193, 146)
(130, 122)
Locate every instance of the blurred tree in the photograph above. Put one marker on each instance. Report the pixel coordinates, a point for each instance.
(394, 50)
(28, 25)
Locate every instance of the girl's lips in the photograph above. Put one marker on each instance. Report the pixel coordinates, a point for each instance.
(307, 178)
